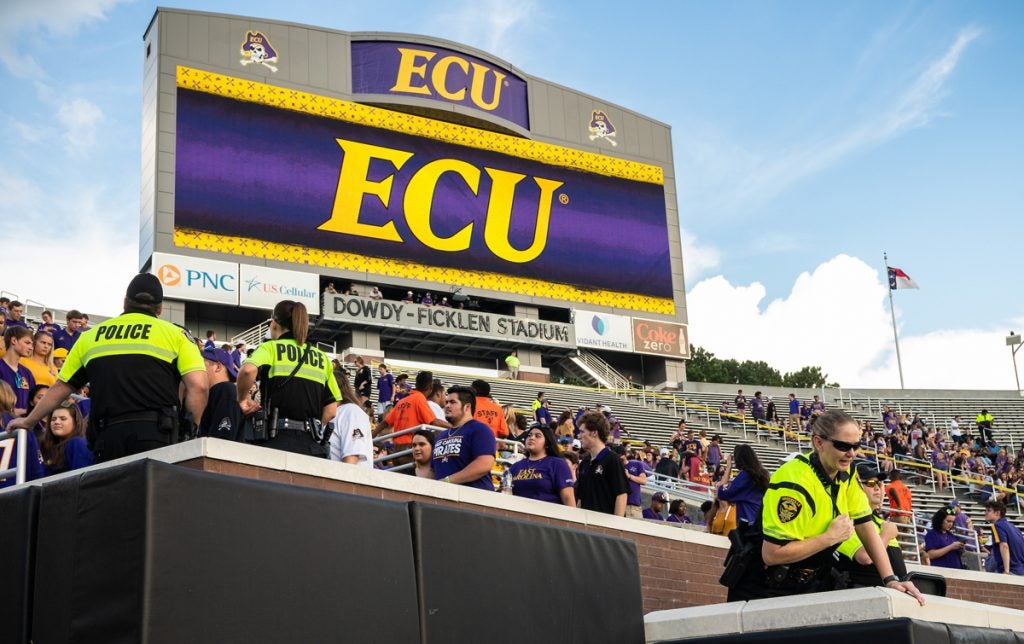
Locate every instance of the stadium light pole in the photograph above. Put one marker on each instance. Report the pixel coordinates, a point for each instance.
(1014, 342)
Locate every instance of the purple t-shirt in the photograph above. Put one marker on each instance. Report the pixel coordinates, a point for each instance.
(794, 407)
(64, 339)
(757, 405)
(76, 456)
(634, 468)
(385, 388)
(542, 479)
(934, 540)
(741, 402)
(674, 519)
(455, 449)
(651, 514)
(21, 381)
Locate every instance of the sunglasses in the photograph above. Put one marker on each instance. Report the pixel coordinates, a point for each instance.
(842, 446)
(872, 483)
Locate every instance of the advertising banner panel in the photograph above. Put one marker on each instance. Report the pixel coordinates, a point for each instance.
(440, 74)
(659, 338)
(386, 313)
(274, 173)
(262, 288)
(192, 278)
(603, 331)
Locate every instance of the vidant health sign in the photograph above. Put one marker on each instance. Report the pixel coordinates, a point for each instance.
(660, 338)
(603, 331)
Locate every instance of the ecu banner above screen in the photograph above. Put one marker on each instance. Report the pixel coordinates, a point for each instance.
(280, 174)
(424, 71)
(436, 319)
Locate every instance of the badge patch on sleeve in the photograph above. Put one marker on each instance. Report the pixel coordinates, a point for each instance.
(788, 509)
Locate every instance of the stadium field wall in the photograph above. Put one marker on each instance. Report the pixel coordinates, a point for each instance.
(678, 567)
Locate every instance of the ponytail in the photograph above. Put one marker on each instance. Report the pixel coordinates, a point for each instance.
(293, 316)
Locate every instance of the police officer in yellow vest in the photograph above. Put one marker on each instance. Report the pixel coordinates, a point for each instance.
(812, 505)
(853, 559)
(299, 394)
(134, 364)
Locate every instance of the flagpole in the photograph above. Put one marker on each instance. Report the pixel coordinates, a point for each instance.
(892, 310)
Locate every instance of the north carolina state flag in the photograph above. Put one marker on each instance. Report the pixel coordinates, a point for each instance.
(899, 279)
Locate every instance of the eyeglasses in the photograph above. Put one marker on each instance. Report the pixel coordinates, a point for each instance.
(872, 483)
(841, 445)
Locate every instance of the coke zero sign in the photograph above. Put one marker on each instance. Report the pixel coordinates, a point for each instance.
(659, 338)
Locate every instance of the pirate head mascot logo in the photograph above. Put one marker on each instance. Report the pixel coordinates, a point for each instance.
(256, 48)
(601, 127)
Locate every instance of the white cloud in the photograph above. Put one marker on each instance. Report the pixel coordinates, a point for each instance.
(698, 258)
(85, 233)
(737, 178)
(56, 17)
(79, 118)
(837, 317)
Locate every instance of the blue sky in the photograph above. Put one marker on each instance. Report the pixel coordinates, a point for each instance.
(808, 138)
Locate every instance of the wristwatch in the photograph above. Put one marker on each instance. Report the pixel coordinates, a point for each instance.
(890, 579)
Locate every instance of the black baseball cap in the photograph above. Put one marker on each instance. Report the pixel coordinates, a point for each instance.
(145, 288)
(867, 470)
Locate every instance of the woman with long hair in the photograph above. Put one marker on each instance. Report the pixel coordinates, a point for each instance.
(746, 490)
(422, 452)
(351, 437)
(35, 394)
(9, 446)
(40, 363)
(63, 444)
(300, 393)
(543, 474)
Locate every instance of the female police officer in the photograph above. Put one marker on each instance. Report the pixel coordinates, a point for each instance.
(299, 392)
(812, 505)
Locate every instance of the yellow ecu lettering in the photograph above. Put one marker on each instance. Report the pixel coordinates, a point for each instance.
(476, 92)
(439, 77)
(499, 216)
(353, 184)
(419, 199)
(408, 68)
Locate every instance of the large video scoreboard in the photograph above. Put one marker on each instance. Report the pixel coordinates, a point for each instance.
(402, 160)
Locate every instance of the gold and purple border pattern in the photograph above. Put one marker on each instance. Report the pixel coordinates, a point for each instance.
(294, 100)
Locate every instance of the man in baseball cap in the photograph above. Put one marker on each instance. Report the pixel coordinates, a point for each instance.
(658, 502)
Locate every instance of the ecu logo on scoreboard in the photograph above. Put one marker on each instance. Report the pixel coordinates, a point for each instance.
(256, 48)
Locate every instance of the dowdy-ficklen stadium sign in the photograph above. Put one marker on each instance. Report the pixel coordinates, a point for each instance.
(343, 308)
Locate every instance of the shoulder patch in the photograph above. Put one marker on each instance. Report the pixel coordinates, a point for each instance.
(788, 509)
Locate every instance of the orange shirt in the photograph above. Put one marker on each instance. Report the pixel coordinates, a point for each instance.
(489, 413)
(899, 496)
(410, 411)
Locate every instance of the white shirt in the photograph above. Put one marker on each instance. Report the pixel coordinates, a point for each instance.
(352, 435)
(436, 409)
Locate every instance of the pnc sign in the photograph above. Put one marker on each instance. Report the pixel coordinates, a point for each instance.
(192, 278)
(440, 74)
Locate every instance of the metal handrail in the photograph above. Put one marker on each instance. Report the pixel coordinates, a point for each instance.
(21, 449)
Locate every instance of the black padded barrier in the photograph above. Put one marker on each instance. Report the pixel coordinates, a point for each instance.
(18, 515)
(894, 631)
(161, 553)
(486, 578)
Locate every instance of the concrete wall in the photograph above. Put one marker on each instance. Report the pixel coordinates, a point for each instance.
(678, 567)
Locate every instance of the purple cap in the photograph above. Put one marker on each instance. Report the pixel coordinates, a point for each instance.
(214, 354)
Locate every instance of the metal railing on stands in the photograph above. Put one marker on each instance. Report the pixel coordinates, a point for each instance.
(679, 488)
(604, 370)
(253, 336)
(16, 442)
(512, 447)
